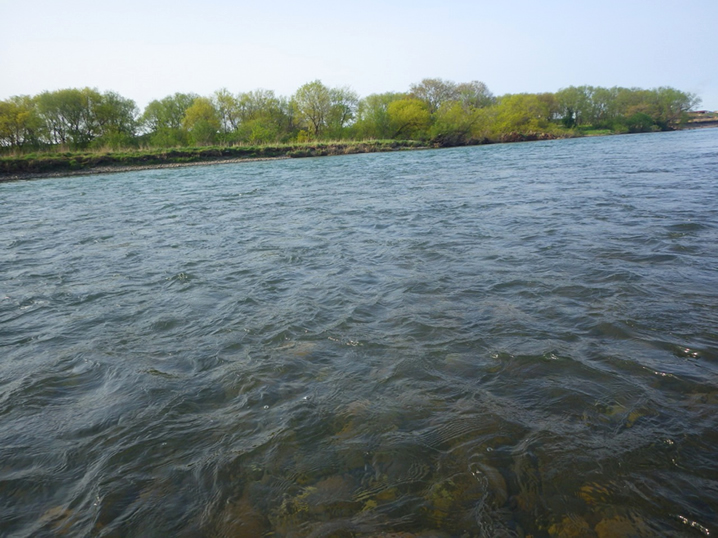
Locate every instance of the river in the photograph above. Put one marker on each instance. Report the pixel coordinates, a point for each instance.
(509, 340)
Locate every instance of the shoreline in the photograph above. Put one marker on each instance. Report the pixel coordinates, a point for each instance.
(129, 168)
(89, 164)
(212, 156)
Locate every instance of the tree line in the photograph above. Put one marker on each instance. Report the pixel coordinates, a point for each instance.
(434, 110)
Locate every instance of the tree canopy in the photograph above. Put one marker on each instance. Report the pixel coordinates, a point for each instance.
(320, 109)
(434, 110)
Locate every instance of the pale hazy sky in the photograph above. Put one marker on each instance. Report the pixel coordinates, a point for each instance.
(149, 49)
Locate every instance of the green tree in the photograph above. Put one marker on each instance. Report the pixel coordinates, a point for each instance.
(264, 117)
(454, 124)
(321, 110)
(228, 112)
(162, 120)
(202, 122)
(20, 124)
(373, 116)
(640, 122)
(313, 103)
(522, 113)
(344, 103)
(574, 105)
(474, 94)
(115, 120)
(69, 115)
(603, 107)
(409, 118)
(434, 92)
(672, 106)
(666, 107)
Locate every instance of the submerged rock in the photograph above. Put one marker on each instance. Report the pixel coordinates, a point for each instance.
(617, 527)
(240, 518)
(571, 526)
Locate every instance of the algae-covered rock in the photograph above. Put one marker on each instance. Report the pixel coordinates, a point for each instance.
(594, 494)
(571, 526)
(529, 483)
(293, 511)
(442, 497)
(426, 534)
(492, 480)
(373, 500)
(58, 519)
(620, 414)
(300, 348)
(617, 527)
(456, 499)
(240, 518)
(329, 499)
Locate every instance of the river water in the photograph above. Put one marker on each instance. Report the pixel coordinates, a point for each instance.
(509, 340)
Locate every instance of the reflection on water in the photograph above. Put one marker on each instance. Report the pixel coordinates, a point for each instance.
(512, 340)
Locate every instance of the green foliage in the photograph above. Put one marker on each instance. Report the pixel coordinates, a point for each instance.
(572, 106)
(202, 122)
(68, 115)
(266, 117)
(228, 112)
(590, 131)
(163, 120)
(312, 103)
(454, 124)
(76, 117)
(522, 113)
(613, 107)
(409, 118)
(168, 138)
(114, 140)
(640, 122)
(115, 117)
(434, 109)
(324, 111)
(20, 124)
(434, 92)
(672, 106)
(373, 116)
(344, 102)
(454, 109)
(474, 94)
(260, 130)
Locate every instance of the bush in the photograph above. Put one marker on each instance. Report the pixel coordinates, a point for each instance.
(640, 122)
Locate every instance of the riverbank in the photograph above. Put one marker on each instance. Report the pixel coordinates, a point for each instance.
(63, 164)
(44, 165)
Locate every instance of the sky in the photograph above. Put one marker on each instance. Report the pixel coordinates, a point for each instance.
(146, 50)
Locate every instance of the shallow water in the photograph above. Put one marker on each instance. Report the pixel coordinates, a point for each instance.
(510, 340)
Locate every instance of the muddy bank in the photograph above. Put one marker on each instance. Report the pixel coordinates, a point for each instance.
(129, 168)
(74, 164)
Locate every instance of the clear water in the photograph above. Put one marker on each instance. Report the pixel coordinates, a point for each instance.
(511, 340)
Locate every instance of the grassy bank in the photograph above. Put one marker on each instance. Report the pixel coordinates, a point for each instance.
(61, 163)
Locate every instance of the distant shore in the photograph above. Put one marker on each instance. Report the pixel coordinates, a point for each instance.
(130, 168)
(49, 165)
(78, 163)
(66, 164)
(701, 124)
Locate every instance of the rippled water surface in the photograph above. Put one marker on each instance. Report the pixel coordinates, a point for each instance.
(515, 340)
